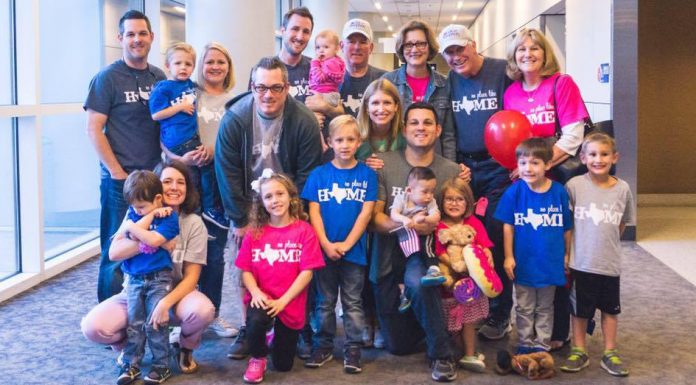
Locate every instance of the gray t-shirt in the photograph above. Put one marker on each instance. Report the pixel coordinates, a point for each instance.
(475, 100)
(392, 182)
(122, 93)
(401, 203)
(352, 89)
(211, 108)
(264, 152)
(598, 213)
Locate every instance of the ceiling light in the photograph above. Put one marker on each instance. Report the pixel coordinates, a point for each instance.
(385, 18)
(389, 27)
(454, 17)
(180, 9)
(394, 34)
(378, 5)
(460, 4)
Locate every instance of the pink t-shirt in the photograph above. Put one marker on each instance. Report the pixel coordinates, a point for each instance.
(481, 238)
(327, 75)
(538, 105)
(276, 259)
(418, 86)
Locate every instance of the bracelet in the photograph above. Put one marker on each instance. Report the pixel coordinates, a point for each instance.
(147, 249)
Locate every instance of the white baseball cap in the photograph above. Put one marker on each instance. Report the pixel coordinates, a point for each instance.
(454, 34)
(357, 26)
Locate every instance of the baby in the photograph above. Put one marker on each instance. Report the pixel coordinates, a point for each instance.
(327, 69)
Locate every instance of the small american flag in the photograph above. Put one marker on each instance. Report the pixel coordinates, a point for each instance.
(408, 240)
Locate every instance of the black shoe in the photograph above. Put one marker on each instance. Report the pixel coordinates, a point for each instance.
(127, 374)
(157, 375)
(444, 371)
(239, 350)
(351, 360)
(318, 358)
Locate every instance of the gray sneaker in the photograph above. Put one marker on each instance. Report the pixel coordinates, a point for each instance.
(318, 358)
(493, 330)
(444, 371)
(473, 363)
(576, 361)
(611, 362)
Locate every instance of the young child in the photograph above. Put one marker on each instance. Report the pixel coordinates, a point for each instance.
(327, 68)
(341, 196)
(602, 205)
(172, 104)
(277, 257)
(417, 205)
(536, 229)
(458, 207)
(148, 275)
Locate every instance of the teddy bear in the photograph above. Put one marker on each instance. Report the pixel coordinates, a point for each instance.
(455, 238)
(534, 366)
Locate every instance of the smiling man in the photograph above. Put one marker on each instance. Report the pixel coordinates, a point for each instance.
(296, 31)
(122, 132)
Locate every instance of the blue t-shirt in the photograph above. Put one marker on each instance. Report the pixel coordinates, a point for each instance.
(341, 194)
(143, 263)
(180, 127)
(540, 219)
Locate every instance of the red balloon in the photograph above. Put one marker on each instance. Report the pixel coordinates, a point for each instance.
(503, 132)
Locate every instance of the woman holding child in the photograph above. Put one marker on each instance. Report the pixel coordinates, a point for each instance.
(106, 323)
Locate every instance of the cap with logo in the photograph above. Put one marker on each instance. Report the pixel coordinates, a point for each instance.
(357, 26)
(454, 34)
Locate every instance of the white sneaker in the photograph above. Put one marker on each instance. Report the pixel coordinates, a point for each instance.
(222, 328)
(473, 363)
(174, 335)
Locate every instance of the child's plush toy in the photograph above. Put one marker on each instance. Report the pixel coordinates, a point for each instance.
(455, 238)
(534, 366)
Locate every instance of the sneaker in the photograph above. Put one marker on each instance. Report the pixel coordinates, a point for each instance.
(119, 360)
(318, 358)
(239, 350)
(128, 374)
(157, 375)
(493, 330)
(576, 361)
(304, 347)
(473, 363)
(187, 364)
(255, 370)
(379, 339)
(611, 362)
(222, 328)
(351, 360)
(174, 335)
(217, 217)
(404, 303)
(368, 336)
(444, 371)
(433, 277)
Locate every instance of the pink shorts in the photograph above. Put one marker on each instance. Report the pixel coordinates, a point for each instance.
(458, 314)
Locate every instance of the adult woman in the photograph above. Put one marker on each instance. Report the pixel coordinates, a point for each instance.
(106, 323)
(549, 100)
(417, 82)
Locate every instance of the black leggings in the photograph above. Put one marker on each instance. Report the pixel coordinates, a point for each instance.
(284, 341)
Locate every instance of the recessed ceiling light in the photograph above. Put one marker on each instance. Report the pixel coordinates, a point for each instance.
(389, 27)
(385, 18)
(460, 4)
(454, 17)
(378, 5)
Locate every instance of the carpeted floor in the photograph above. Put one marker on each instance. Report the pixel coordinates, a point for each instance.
(41, 342)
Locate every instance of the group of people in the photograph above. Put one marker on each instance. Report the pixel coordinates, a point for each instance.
(367, 154)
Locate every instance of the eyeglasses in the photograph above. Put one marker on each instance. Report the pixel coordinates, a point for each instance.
(419, 44)
(456, 200)
(262, 89)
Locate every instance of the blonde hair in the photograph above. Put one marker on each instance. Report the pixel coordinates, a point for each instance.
(419, 25)
(550, 65)
(462, 188)
(259, 217)
(180, 46)
(329, 35)
(364, 121)
(228, 83)
(342, 121)
(598, 137)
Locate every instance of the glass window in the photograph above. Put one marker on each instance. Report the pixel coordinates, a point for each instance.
(9, 264)
(70, 171)
(5, 55)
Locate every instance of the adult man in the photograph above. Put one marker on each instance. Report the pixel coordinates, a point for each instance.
(357, 46)
(262, 129)
(296, 31)
(404, 332)
(477, 84)
(122, 132)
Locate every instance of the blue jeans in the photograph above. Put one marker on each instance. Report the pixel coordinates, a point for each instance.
(350, 278)
(203, 176)
(144, 292)
(113, 210)
(212, 274)
(404, 333)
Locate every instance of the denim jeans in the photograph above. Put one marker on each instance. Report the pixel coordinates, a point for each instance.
(113, 210)
(144, 292)
(350, 278)
(404, 332)
(212, 274)
(284, 344)
(203, 176)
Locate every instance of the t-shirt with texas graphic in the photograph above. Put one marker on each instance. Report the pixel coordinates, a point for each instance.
(599, 213)
(276, 258)
(539, 220)
(341, 194)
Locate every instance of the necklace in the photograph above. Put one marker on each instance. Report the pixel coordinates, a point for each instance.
(530, 95)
